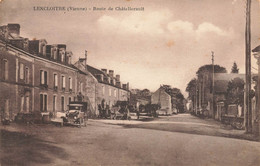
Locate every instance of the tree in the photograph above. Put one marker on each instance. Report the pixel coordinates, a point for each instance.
(234, 68)
(235, 91)
(208, 69)
(204, 74)
(191, 88)
(145, 93)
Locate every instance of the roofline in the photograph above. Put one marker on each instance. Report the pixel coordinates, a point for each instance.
(36, 57)
(113, 86)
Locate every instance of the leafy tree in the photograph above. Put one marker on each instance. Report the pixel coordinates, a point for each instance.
(204, 74)
(208, 69)
(145, 92)
(191, 88)
(234, 68)
(235, 91)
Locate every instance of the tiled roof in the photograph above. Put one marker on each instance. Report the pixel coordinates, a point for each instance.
(95, 71)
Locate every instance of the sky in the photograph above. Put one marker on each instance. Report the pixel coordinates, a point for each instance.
(164, 44)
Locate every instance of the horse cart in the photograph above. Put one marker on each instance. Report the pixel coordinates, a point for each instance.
(123, 110)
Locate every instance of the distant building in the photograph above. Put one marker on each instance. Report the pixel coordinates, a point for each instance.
(101, 86)
(164, 99)
(109, 87)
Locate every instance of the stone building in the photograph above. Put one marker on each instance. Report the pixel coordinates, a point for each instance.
(109, 87)
(39, 77)
(161, 97)
(34, 78)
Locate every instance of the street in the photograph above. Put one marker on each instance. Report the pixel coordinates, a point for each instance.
(175, 140)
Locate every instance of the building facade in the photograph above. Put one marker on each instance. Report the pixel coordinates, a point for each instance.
(109, 87)
(37, 77)
(34, 78)
(161, 97)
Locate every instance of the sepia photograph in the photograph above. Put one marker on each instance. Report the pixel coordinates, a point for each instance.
(129, 83)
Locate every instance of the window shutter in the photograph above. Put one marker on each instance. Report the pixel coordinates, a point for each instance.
(45, 102)
(63, 82)
(41, 102)
(45, 77)
(41, 77)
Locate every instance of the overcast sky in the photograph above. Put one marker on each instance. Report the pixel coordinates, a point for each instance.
(164, 44)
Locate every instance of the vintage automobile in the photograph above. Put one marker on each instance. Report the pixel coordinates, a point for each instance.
(76, 115)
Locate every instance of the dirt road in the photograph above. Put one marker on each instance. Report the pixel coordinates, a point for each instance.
(164, 141)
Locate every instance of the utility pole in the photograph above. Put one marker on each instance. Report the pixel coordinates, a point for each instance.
(213, 84)
(248, 107)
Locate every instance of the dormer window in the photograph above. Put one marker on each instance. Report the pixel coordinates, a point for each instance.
(54, 52)
(62, 55)
(44, 49)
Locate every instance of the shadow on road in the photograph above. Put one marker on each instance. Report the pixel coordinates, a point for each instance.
(20, 149)
(198, 130)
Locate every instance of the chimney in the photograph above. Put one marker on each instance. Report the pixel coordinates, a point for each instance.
(86, 56)
(127, 86)
(14, 28)
(118, 77)
(111, 73)
(104, 70)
